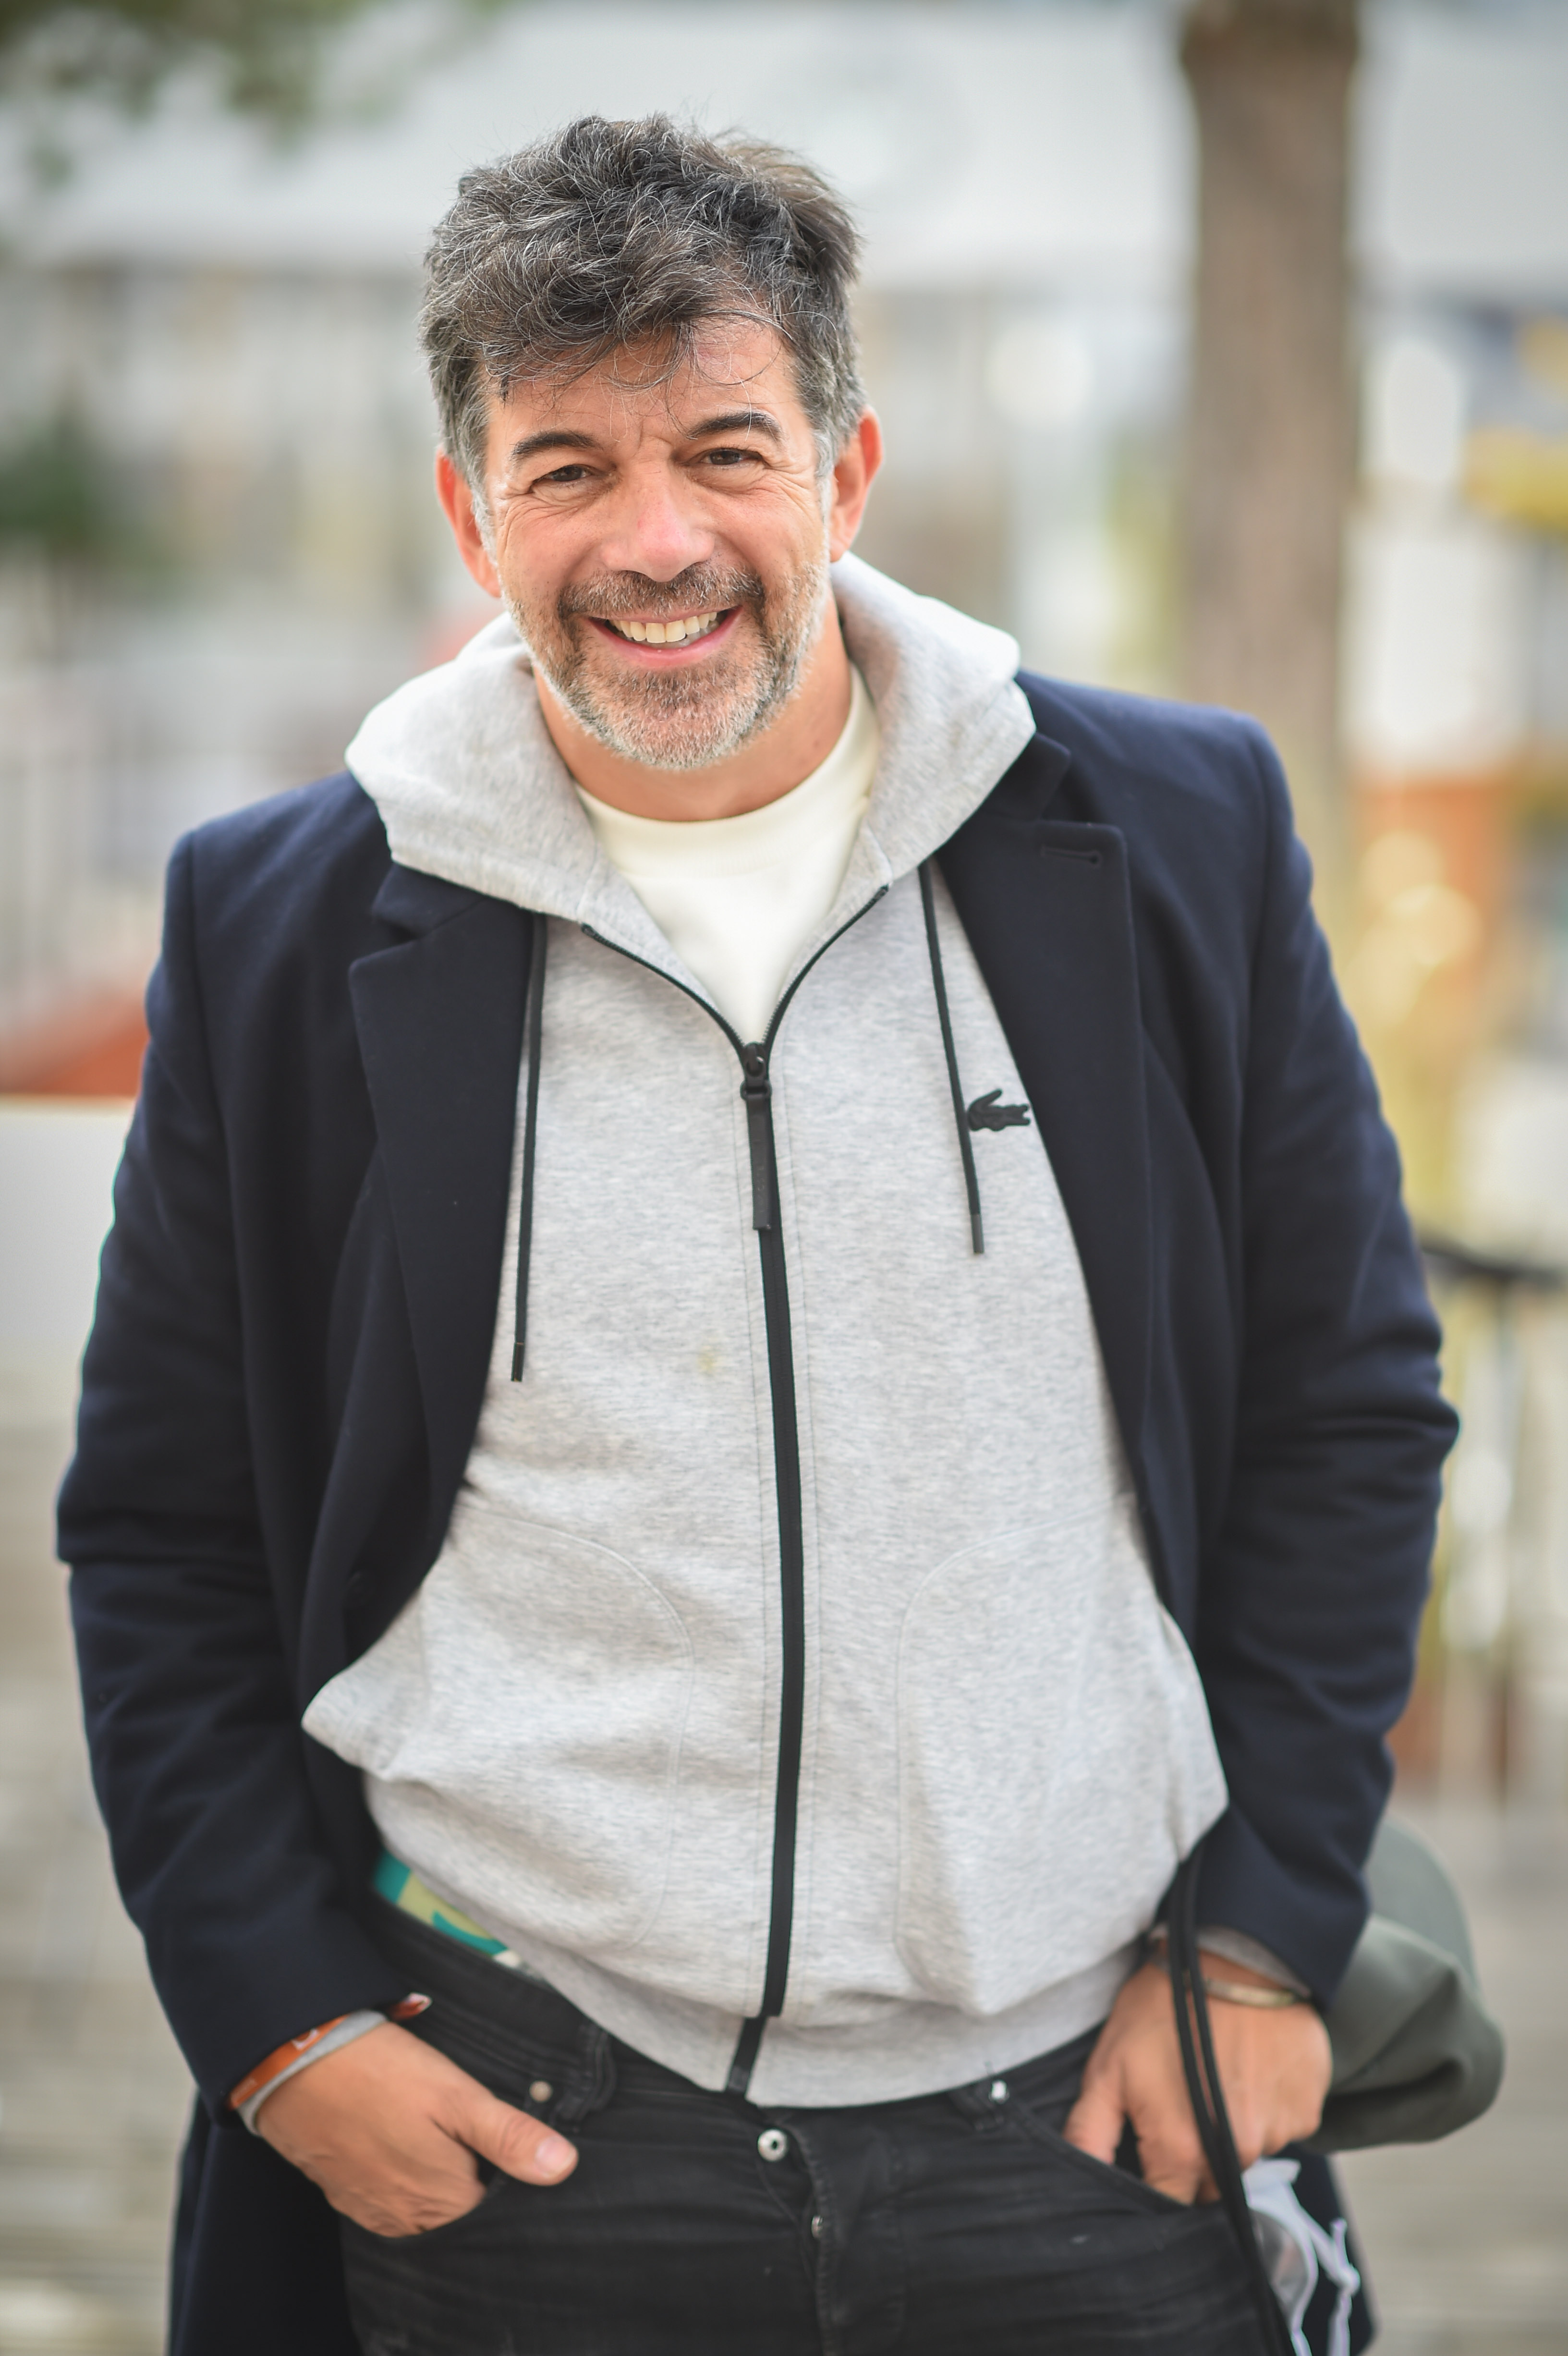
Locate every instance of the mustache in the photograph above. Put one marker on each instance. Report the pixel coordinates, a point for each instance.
(707, 587)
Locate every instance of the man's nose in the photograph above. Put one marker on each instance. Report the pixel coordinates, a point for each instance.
(655, 528)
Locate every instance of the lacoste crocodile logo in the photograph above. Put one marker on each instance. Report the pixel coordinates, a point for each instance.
(987, 1113)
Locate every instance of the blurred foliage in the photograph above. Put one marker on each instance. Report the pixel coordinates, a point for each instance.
(266, 51)
(61, 500)
(268, 56)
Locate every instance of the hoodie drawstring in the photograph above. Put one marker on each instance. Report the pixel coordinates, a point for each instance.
(938, 983)
(535, 1027)
(535, 1024)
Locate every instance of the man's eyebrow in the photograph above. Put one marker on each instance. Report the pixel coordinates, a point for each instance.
(728, 421)
(555, 438)
(737, 421)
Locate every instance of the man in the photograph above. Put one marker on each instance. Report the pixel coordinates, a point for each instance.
(622, 1493)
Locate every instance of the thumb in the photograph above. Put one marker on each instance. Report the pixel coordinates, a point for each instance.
(1094, 2122)
(517, 2144)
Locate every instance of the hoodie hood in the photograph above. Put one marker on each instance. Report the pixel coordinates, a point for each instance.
(470, 786)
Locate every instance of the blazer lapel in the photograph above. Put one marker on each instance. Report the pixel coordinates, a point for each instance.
(439, 1021)
(1048, 910)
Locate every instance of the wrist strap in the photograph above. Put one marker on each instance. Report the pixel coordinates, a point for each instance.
(294, 2048)
(282, 2057)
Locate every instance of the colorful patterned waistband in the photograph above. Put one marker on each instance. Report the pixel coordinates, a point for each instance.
(401, 1887)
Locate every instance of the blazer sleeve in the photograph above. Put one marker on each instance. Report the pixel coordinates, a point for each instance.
(1311, 1594)
(183, 1641)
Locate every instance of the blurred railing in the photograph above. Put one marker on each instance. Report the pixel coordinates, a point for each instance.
(1489, 1715)
(78, 907)
(108, 755)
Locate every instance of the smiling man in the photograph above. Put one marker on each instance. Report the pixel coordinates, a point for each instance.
(693, 674)
(758, 1353)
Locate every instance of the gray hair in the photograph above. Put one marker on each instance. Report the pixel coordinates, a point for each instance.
(612, 235)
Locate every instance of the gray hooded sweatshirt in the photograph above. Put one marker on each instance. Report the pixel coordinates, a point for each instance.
(793, 1648)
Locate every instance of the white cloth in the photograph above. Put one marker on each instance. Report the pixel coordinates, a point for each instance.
(1296, 2250)
(735, 897)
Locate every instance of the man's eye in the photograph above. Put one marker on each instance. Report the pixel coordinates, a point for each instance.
(572, 474)
(728, 457)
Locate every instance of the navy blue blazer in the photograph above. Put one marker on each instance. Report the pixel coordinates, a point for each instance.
(298, 1298)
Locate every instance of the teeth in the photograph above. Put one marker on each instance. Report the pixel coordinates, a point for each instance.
(666, 633)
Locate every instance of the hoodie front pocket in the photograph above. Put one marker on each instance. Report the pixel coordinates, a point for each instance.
(522, 1721)
(1055, 1759)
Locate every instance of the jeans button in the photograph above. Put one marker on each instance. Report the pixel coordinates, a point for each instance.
(773, 2143)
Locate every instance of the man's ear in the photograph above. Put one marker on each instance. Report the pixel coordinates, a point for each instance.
(455, 493)
(858, 463)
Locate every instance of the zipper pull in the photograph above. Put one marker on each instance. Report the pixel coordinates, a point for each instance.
(756, 1095)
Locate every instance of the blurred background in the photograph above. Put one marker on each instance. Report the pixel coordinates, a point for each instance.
(1223, 350)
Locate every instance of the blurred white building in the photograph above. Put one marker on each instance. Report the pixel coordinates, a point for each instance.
(218, 333)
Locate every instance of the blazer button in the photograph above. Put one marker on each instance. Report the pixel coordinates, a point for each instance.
(357, 1586)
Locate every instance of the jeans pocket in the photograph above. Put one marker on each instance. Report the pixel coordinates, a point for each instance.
(362, 2240)
(1109, 2176)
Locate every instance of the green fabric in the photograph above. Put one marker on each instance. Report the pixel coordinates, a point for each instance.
(401, 1887)
(1416, 2054)
(389, 1880)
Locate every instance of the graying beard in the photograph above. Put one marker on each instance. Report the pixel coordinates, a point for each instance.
(691, 696)
(713, 734)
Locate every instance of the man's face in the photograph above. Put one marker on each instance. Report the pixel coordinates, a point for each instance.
(663, 545)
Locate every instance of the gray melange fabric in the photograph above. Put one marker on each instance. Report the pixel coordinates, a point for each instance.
(570, 1730)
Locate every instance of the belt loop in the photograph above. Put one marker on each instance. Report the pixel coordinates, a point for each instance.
(593, 2083)
(984, 2103)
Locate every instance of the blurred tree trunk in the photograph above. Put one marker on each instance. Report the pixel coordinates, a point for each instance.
(1270, 437)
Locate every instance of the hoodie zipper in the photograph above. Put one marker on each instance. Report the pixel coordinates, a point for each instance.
(756, 1095)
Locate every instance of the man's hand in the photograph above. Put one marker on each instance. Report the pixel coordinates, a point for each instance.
(1275, 2067)
(388, 2128)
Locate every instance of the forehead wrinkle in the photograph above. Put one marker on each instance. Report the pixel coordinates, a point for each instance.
(723, 361)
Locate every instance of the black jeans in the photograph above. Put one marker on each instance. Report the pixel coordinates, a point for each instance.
(697, 2225)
